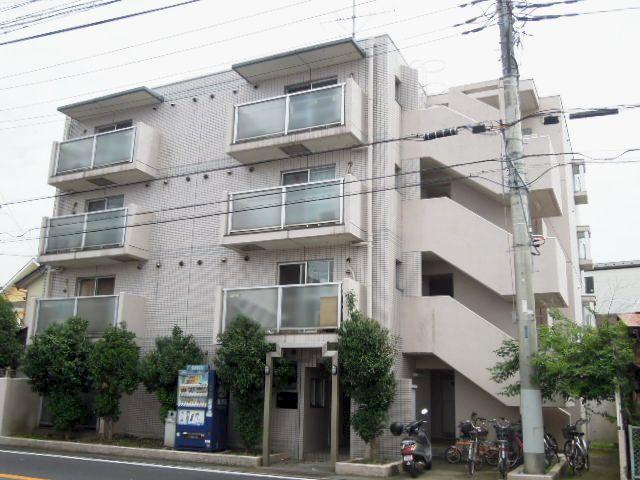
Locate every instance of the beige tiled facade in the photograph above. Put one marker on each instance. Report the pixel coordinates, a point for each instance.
(398, 233)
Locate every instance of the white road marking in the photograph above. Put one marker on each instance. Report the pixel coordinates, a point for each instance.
(156, 465)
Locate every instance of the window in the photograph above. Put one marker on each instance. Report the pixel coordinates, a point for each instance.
(287, 393)
(106, 203)
(91, 287)
(397, 90)
(299, 273)
(318, 387)
(309, 175)
(399, 275)
(397, 177)
(440, 285)
(588, 285)
(301, 87)
(114, 126)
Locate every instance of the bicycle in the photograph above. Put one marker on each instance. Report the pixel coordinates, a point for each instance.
(550, 450)
(507, 457)
(487, 450)
(474, 457)
(576, 450)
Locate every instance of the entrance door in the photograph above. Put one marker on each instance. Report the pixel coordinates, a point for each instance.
(443, 405)
(316, 414)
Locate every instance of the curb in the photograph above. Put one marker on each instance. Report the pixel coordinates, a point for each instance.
(367, 469)
(137, 453)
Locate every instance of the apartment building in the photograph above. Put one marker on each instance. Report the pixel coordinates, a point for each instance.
(275, 188)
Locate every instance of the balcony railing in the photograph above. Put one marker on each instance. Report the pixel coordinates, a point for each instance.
(95, 151)
(85, 231)
(287, 206)
(99, 311)
(290, 113)
(279, 308)
(584, 246)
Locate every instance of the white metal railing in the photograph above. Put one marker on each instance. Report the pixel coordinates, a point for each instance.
(312, 306)
(95, 151)
(84, 231)
(311, 203)
(320, 107)
(100, 311)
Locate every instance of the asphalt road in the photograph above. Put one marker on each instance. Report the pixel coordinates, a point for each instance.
(31, 465)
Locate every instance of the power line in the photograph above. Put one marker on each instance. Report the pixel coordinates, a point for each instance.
(284, 158)
(261, 207)
(157, 39)
(241, 80)
(324, 184)
(99, 22)
(216, 42)
(538, 18)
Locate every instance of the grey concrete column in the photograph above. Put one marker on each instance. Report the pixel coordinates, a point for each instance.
(266, 426)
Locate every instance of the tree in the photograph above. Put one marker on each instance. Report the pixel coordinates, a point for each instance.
(159, 368)
(366, 353)
(11, 347)
(573, 361)
(57, 365)
(113, 366)
(239, 362)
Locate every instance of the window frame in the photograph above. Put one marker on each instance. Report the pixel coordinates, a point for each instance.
(106, 200)
(308, 170)
(95, 279)
(112, 127)
(305, 269)
(310, 85)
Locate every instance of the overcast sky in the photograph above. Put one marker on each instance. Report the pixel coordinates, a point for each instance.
(589, 60)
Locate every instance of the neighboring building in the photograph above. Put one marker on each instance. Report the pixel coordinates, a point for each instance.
(271, 190)
(26, 284)
(616, 286)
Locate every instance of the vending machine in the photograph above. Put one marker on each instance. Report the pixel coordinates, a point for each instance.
(201, 422)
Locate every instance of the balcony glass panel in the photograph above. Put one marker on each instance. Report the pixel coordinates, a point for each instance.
(54, 311)
(315, 203)
(65, 233)
(263, 118)
(114, 147)
(260, 305)
(315, 108)
(105, 228)
(255, 210)
(100, 312)
(75, 155)
(310, 306)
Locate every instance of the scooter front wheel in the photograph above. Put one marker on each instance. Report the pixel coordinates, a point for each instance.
(414, 470)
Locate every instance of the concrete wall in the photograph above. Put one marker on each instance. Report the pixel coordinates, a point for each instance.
(19, 406)
(617, 290)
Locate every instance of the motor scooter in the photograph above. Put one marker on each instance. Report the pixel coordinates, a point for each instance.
(416, 448)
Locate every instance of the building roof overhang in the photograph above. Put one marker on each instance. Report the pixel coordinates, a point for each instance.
(136, 97)
(299, 60)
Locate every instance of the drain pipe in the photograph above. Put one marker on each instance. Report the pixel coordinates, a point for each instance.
(370, 182)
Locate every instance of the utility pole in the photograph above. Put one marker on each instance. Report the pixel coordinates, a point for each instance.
(530, 398)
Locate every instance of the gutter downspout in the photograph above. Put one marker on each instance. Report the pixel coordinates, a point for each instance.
(370, 182)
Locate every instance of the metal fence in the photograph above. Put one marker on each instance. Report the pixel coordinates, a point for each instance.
(634, 451)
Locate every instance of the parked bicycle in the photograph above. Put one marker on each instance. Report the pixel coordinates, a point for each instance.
(550, 449)
(576, 449)
(507, 454)
(478, 448)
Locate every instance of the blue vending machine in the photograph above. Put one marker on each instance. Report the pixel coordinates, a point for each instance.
(202, 410)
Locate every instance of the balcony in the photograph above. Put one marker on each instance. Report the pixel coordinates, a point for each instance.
(579, 185)
(112, 158)
(307, 308)
(100, 311)
(327, 212)
(97, 238)
(545, 198)
(584, 247)
(303, 122)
